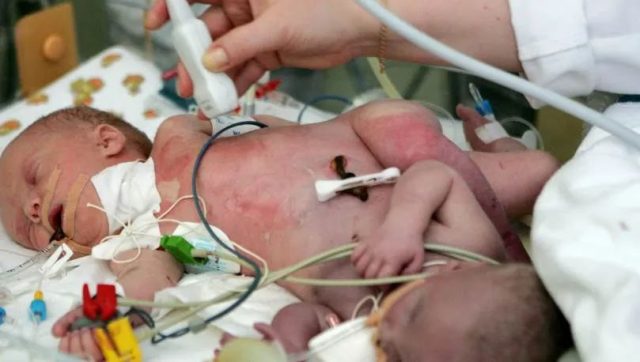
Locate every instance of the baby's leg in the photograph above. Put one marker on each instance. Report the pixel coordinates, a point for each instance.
(516, 177)
(515, 174)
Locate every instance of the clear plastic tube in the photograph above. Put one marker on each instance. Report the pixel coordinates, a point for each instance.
(495, 75)
(36, 259)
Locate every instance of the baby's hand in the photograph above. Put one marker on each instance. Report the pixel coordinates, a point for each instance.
(80, 342)
(389, 251)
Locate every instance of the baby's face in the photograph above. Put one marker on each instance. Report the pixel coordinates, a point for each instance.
(26, 169)
(430, 322)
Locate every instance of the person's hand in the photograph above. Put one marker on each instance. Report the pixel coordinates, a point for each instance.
(81, 342)
(391, 250)
(253, 36)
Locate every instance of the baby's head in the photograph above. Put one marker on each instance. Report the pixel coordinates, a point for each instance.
(476, 313)
(47, 162)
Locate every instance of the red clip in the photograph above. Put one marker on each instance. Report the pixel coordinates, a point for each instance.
(103, 305)
(270, 86)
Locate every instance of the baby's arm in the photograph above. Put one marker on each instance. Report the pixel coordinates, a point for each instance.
(150, 272)
(397, 246)
(430, 200)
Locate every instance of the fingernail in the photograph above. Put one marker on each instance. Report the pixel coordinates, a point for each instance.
(215, 59)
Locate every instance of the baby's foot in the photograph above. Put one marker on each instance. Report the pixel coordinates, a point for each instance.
(471, 121)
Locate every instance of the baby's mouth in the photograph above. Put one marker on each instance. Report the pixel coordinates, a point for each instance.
(55, 220)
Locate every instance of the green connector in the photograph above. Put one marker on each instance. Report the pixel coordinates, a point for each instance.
(180, 248)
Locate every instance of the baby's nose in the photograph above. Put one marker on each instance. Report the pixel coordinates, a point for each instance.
(32, 210)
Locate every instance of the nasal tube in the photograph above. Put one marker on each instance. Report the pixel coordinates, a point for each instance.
(214, 93)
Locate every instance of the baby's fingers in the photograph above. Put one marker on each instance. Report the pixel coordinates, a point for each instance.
(373, 269)
(357, 253)
(61, 327)
(415, 266)
(89, 344)
(362, 263)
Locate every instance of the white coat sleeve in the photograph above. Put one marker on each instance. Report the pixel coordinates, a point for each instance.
(577, 46)
(586, 243)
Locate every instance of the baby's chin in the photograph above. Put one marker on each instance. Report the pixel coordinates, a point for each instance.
(89, 230)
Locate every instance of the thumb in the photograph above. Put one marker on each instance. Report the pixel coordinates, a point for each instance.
(242, 44)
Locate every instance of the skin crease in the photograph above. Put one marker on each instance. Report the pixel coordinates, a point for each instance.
(259, 184)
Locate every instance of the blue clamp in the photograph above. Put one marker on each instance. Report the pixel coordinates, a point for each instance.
(3, 315)
(38, 308)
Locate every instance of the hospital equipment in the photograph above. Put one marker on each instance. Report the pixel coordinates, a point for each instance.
(328, 189)
(117, 342)
(482, 105)
(3, 315)
(38, 308)
(215, 93)
(463, 61)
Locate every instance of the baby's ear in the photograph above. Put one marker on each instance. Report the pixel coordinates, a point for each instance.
(109, 140)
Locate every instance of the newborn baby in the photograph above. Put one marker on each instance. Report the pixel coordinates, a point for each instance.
(258, 188)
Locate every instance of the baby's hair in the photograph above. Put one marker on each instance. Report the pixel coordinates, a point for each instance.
(522, 324)
(68, 118)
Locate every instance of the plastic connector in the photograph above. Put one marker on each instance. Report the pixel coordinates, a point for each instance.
(197, 324)
(180, 249)
(118, 343)
(38, 308)
(103, 306)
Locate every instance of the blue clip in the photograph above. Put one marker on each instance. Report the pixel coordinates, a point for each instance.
(3, 315)
(38, 308)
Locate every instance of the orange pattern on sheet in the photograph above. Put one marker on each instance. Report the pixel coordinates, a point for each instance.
(9, 126)
(83, 90)
(37, 99)
(133, 82)
(109, 59)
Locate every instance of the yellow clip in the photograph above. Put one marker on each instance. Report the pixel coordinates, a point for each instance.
(118, 343)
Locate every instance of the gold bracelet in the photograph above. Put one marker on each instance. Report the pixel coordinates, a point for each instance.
(382, 41)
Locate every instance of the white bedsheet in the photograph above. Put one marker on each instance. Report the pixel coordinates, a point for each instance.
(586, 242)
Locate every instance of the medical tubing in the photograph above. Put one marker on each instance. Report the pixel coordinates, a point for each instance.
(326, 97)
(495, 75)
(257, 273)
(342, 251)
(329, 255)
(384, 80)
(530, 127)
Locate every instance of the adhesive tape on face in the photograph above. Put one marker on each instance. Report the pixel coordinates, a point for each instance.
(349, 341)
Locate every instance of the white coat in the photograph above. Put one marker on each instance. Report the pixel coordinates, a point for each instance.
(586, 230)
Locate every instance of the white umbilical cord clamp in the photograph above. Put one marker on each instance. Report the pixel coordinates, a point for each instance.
(328, 189)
